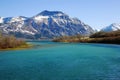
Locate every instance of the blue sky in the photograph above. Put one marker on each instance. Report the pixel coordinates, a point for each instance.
(96, 13)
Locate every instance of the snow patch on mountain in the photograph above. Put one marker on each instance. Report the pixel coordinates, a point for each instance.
(17, 19)
(1, 20)
(47, 24)
(40, 18)
(112, 27)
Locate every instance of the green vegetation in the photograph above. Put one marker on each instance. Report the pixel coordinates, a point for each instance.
(10, 42)
(106, 37)
(105, 34)
(99, 37)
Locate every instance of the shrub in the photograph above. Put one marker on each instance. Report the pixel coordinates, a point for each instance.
(10, 42)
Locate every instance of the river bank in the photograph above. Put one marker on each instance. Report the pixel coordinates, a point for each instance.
(99, 37)
(26, 46)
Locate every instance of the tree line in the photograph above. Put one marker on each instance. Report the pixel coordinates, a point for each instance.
(99, 37)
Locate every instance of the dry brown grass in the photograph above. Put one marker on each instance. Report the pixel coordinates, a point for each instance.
(10, 42)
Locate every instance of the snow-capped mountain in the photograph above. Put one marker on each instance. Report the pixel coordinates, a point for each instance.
(112, 27)
(1, 20)
(47, 24)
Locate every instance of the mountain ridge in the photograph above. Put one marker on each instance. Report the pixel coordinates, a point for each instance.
(47, 24)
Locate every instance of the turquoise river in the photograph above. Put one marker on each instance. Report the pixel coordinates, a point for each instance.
(61, 61)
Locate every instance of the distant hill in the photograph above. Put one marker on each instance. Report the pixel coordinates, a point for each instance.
(112, 27)
(47, 24)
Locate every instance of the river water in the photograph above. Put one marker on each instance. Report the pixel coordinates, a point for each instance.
(61, 61)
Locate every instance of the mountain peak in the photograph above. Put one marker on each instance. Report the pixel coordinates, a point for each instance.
(115, 24)
(51, 13)
(112, 27)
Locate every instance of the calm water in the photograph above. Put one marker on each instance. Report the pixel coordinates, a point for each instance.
(61, 61)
